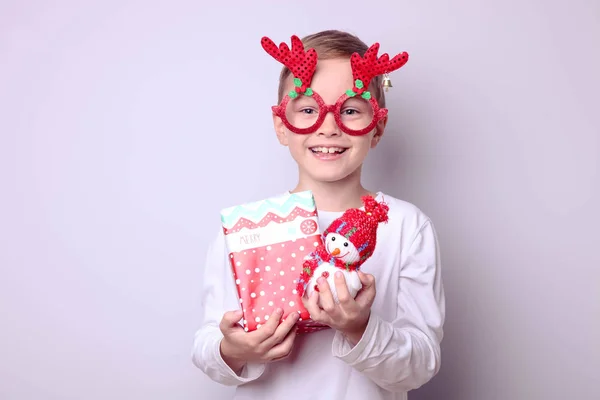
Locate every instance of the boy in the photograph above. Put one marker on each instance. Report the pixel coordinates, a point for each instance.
(386, 341)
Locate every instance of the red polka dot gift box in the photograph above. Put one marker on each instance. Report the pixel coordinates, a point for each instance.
(267, 242)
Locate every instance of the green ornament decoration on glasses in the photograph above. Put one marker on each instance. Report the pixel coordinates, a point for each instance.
(299, 88)
(358, 84)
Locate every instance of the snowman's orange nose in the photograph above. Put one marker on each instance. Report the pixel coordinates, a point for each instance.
(335, 252)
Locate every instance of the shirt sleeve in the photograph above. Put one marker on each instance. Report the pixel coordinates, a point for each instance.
(403, 354)
(218, 295)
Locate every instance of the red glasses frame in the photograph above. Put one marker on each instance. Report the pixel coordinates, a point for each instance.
(324, 109)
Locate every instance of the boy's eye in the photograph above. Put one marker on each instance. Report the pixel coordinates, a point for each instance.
(350, 111)
(307, 111)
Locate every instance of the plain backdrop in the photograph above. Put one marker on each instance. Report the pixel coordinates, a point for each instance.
(125, 126)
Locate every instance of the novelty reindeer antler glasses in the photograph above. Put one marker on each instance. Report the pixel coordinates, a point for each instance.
(356, 112)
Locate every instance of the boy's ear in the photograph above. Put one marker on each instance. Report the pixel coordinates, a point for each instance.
(280, 130)
(379, 130)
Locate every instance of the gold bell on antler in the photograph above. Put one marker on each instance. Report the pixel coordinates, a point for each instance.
(387, 82)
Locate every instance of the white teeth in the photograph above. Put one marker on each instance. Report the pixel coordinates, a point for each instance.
(328, 150)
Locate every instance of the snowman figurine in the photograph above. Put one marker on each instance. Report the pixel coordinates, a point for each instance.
(348, 242)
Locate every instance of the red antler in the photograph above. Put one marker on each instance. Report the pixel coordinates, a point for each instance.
(301, 63)
(364, 69)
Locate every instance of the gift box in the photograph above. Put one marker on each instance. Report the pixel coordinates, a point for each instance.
(267, 242)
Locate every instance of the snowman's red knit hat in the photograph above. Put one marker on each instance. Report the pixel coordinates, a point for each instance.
(360, 226)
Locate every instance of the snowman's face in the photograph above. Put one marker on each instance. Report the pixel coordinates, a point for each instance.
(340, 247)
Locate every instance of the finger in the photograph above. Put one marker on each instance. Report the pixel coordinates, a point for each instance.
(327, 302)
(282, 330)
(367, 294)
(230, 320)
(365, 299)
(283, 349)
(341, 288)
(312, 306)
(305, 300)
(268, 328)
(367, 280)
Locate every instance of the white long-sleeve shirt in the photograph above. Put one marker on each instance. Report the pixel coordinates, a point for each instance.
(399, 351)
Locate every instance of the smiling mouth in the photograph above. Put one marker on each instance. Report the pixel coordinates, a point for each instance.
(336, 256)
(328, 150)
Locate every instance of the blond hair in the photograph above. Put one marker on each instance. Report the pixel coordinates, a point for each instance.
(331, 44)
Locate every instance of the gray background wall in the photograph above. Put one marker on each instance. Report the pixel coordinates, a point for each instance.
(110, 187)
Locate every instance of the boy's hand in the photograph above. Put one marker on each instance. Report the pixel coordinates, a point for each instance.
(350, 316)
(272, 342)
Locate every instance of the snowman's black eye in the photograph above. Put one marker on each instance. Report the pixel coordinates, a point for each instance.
(345, 244)
(333, 239)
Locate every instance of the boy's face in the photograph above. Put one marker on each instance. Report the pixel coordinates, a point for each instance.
(328, 154)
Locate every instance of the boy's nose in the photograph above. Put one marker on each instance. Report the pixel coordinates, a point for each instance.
(329, 126)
